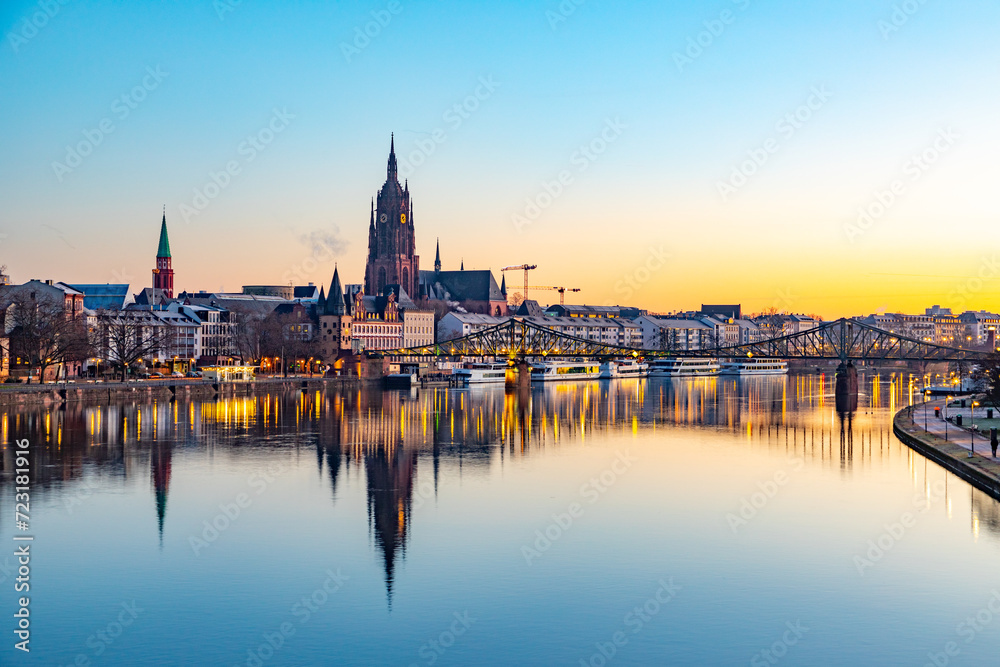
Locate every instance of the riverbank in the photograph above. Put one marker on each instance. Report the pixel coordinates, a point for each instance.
(948, 445)
(17, 396)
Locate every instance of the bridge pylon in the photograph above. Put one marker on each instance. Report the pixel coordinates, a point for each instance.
(846, 388)
(518, 376)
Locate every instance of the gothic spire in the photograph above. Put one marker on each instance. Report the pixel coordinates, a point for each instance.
(164, 249)
(462, 267)
(437, 257)
(503, 285)
(335, 297)
(372, 223)
(391, 168)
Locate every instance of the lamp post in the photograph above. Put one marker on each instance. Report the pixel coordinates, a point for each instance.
(927, 394)
(972, 428)
(946, 416)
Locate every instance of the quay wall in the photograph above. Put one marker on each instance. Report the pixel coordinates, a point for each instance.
(982, 472)
(30, 396)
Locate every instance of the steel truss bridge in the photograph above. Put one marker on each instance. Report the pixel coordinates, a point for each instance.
(843, 339)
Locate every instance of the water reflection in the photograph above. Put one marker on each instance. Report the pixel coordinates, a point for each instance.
(387, 435)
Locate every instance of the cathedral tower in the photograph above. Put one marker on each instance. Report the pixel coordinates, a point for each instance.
(392, 255)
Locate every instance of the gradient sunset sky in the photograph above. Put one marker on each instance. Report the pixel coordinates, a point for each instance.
(668, 120)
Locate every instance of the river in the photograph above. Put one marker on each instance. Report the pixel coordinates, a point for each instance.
(631, 522)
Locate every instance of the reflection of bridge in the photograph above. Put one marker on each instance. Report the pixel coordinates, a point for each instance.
(843, 339)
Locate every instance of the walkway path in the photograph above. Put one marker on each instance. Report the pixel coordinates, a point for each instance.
(980, 469)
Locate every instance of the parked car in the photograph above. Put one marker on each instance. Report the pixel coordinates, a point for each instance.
(195, 374)
(177, 374)
(154, 375)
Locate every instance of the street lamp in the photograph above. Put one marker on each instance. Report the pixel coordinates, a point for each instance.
(927, 394)
(972, 428)
(946, 416)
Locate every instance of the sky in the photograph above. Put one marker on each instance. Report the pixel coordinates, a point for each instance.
(828, 157)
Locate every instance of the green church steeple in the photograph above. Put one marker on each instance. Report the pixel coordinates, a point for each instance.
(164, 249)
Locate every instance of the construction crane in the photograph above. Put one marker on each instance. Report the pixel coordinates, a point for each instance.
(562, 291)
(525, 268)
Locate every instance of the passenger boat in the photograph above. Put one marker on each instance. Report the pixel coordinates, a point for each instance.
(482, 373)
(679, 367)
(624, 369)
(565, 370)
(754, 366)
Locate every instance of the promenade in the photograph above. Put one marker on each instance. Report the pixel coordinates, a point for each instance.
(950, 445)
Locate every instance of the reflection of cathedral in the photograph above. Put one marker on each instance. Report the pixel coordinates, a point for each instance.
(390, 493)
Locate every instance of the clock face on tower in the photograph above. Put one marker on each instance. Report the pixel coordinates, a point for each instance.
(402, 218)
(383, 218)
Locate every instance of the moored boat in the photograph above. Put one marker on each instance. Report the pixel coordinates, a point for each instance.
(684, 367)
(623, 369)
(754, 366)
(482, 373)
(565, 370)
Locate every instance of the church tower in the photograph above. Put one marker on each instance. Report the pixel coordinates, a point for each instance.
(163, 274)
(392, 255)
(334, 323)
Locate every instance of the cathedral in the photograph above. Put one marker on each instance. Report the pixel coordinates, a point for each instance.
(392, 258)
(393, 264)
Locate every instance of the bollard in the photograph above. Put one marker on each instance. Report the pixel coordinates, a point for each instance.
(989, 413)
(937, 413)
(958, 420)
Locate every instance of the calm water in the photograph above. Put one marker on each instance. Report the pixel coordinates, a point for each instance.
(688, 523)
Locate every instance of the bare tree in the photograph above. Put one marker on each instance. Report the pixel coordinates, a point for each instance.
(250, 333)
(41, 334)
(771, 323)
(128, 336)
(986, 376)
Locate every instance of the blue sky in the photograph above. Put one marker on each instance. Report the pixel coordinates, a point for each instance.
(789, 236)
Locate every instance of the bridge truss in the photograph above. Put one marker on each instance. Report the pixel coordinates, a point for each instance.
(843, 339)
